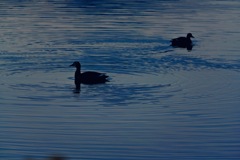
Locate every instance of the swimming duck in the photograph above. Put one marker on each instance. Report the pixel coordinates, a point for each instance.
(89, 77)
(183, 42)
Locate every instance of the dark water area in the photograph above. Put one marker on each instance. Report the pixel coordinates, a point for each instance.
(161, 102)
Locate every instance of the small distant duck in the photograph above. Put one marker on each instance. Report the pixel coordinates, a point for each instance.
(183, 42)
(89, 77)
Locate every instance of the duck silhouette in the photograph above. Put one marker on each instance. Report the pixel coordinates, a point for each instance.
(89, 77)
(183, 42)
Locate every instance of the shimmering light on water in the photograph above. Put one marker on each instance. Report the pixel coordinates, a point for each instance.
(161, 102)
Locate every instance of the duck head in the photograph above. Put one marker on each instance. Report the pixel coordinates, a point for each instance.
(76, 64)
(189, 35)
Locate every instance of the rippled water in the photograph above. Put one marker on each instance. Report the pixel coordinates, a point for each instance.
(161, 102)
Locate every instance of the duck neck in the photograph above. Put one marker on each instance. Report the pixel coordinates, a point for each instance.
(78, 78)
(189, 39)
(78, 71)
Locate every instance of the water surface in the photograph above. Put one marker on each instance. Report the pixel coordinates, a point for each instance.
(161, 102)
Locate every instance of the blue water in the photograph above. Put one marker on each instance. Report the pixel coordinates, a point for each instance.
(161, 102)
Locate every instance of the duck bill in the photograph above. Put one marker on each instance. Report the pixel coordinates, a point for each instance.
(72, 65)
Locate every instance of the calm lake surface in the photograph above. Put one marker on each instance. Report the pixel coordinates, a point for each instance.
(161, 102)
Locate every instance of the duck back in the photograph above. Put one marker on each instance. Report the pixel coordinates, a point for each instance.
(181, 42)
(92, 77)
